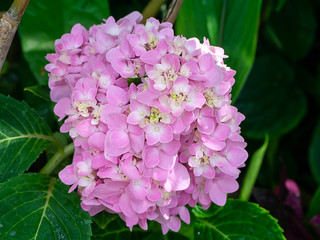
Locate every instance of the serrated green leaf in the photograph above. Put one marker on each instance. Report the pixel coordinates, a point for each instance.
(23, 136)
(237, 220)
(270, 100)
(45, 21)
(37, 207)
(314, 154)
(253, 171)
(40, 91)
(231, 24)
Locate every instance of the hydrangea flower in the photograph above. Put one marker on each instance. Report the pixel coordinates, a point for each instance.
(151, 120)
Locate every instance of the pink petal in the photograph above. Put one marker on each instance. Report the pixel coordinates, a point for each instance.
(227, 184)
(178, 180)
(117, 96)
(166, 161)
(151, 157)
(67, 175)
(154, 194)
(85, 128)
(217, 196)
(61, 107)
(119, 139)
(96, 141)
(166, 135)
(184, 214)
(125, 206)
(174, 224)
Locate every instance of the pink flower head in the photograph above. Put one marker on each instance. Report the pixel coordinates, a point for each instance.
(151, 119)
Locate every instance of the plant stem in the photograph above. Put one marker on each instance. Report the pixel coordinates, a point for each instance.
(173, 11)
(151, 9)
(57, 159)
(8, 26)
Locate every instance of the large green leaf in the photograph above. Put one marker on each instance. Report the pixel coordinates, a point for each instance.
(23, 136)
(45, 21)
(292, 30)
(236, 220)
(33, 206)
(270, 100)
(314, 154)
(231, 24)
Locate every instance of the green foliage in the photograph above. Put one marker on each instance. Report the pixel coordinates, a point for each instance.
(288, 28)
(236, 220)
(314, 154)
(23, 136)
(224, 22)
(37, 37)
(35, 207)
(253, 170)
(40, 91)
(269, 107)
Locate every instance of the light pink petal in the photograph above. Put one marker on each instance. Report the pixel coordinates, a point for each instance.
(111, 150)
(237, 156)
(171, 148)
(227, 184)
(209, 172)
(67, 175)
(150, 57)
(140, 206)
(85, 128)
(222, 132)
(96, 141)
(174, 224)
(154, 194)
(159, 174)
(151, 157)
(119, 139)
(61, 107)
(167, 161)
(184, 214)
(178, 180)
(130, 170)
(166, 134)
(125, 206)
(138, 190)
(135, 117)
(116, 121)
(98, 161)
(217, 196)
(108, 109)
(117, 96)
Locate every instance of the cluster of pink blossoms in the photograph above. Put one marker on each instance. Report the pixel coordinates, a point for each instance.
(150, 117)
